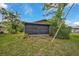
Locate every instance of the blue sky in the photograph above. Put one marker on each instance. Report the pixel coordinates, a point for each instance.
(28, 12)
(33, 12)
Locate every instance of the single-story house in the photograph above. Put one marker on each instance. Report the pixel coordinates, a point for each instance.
(75, 29)
(43, 27)
(37, 27)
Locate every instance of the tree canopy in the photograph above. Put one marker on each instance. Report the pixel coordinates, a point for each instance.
(57, 19)
(12, 20)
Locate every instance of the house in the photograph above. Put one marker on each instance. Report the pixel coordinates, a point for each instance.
(37, 27)
(75, 29)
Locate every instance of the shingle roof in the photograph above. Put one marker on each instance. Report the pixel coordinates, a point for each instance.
(41, 22)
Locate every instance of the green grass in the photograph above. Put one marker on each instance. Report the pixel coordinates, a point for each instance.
(15, 45)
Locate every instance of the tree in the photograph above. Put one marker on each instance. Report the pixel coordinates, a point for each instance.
(56, 20)
(12, 20)
(4, 13)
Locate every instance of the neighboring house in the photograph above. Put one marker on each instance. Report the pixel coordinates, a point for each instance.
(38, 27)
(75, 29)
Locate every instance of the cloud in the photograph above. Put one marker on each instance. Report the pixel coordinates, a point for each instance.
(75, 20)
(28, 10)
(72, 23)
(3, 5)
(68, 22)
(76, 23)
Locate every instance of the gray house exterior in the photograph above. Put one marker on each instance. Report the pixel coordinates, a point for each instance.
(75, 29)
(38, 27)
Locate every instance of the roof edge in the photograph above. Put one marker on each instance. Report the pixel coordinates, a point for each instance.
(37, 24)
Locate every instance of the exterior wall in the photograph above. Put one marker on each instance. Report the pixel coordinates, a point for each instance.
(75, 30)
(36, 28)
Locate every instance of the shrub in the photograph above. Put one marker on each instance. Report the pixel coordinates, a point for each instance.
(64, 32)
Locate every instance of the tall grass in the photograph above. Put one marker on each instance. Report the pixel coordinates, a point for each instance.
(15, 45)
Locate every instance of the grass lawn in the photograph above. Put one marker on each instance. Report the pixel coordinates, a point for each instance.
(15, 45)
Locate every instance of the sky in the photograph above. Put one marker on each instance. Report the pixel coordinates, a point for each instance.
(30, 12)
